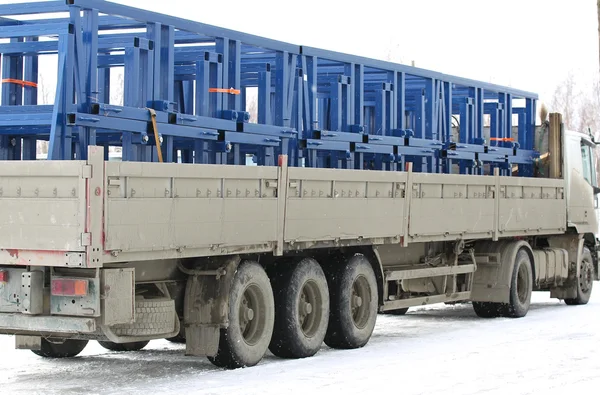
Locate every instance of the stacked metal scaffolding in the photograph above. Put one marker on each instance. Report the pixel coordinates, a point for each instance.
(321, 108)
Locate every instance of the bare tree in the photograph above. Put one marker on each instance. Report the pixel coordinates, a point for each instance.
(566, 101)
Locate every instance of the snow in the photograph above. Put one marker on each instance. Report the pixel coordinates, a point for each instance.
(432, 350)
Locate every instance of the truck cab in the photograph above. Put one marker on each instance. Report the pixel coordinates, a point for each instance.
(580, 161)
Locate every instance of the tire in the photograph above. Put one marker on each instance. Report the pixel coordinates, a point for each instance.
(352, 319)
(396, 312)
(301, 310)
(251, 318)
(521, 286)
(585, 282)
(133, 346)
(489, 309)
(152, 317)
(67, 349)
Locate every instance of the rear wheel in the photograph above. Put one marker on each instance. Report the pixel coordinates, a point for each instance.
(251, 317)
(353, 308)
(60, 348)
(133, 346)
(301, 310)
(521, 286)
(585, 280)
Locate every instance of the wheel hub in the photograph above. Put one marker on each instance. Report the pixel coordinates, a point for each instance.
(586, 276)
(361, 292)
(251, 322)
(309, 308)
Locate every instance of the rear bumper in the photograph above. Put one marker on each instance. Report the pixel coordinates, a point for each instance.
(21, 324)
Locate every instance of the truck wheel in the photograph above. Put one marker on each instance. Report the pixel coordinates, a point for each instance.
(133, 346)
(251, 317)
(585, 281)
(521, 286)
(301, 310)
(353, 308)
(60, 349)
(489, 309)
(396, 311)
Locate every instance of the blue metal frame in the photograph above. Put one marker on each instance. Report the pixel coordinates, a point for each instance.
(321, 108)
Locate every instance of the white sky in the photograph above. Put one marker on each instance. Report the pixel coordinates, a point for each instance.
(509, 42)
(528, 44)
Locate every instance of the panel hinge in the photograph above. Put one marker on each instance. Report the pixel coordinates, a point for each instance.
(86, 171)
(86, 239)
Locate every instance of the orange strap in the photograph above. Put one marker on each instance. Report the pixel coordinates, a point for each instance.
(231, 91)
(20, 82)
(501, 139)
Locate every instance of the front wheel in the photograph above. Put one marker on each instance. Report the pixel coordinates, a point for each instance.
(353, 311)
(585, 280)
(60, 348)
(521, 286)
(251, 317)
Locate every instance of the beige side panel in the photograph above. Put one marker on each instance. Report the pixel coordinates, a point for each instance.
(451, 205)
(326, 204)
(43, 205)
(151, 208)
(531, 206)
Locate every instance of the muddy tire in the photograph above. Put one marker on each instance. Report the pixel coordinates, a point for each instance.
(66, 349)
(353, 306)
(301, 310)
(251, 318)
(521, 286)
(133, 346)
(489, 309)
(585, 281)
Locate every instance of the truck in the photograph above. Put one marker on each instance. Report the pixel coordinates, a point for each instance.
(352, 187)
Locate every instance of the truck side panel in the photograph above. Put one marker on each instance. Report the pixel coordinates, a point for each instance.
(161, 211)
(151, 207)
(325, 205)
(451, 206)
(531, 206)
(43, 205)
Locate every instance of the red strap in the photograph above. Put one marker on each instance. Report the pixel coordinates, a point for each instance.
(20, 82)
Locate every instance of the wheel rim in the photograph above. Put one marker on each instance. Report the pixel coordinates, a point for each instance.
(310, 308)
(252, 314)
(523, 284)
(360, 302)
(586, 276)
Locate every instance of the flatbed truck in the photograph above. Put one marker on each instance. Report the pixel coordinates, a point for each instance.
(235, 260)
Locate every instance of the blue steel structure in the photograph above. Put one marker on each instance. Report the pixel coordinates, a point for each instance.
(321, 108)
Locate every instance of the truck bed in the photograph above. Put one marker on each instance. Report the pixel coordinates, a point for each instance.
(146, 211)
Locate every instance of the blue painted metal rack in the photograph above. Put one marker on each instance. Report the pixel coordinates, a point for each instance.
(321, 108)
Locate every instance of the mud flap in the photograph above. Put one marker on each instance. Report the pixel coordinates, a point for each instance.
(206, 306)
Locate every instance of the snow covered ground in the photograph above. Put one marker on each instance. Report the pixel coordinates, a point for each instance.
(432, 350)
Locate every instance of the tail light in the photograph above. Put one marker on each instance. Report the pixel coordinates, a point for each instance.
(69, 287)
(3, 276)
